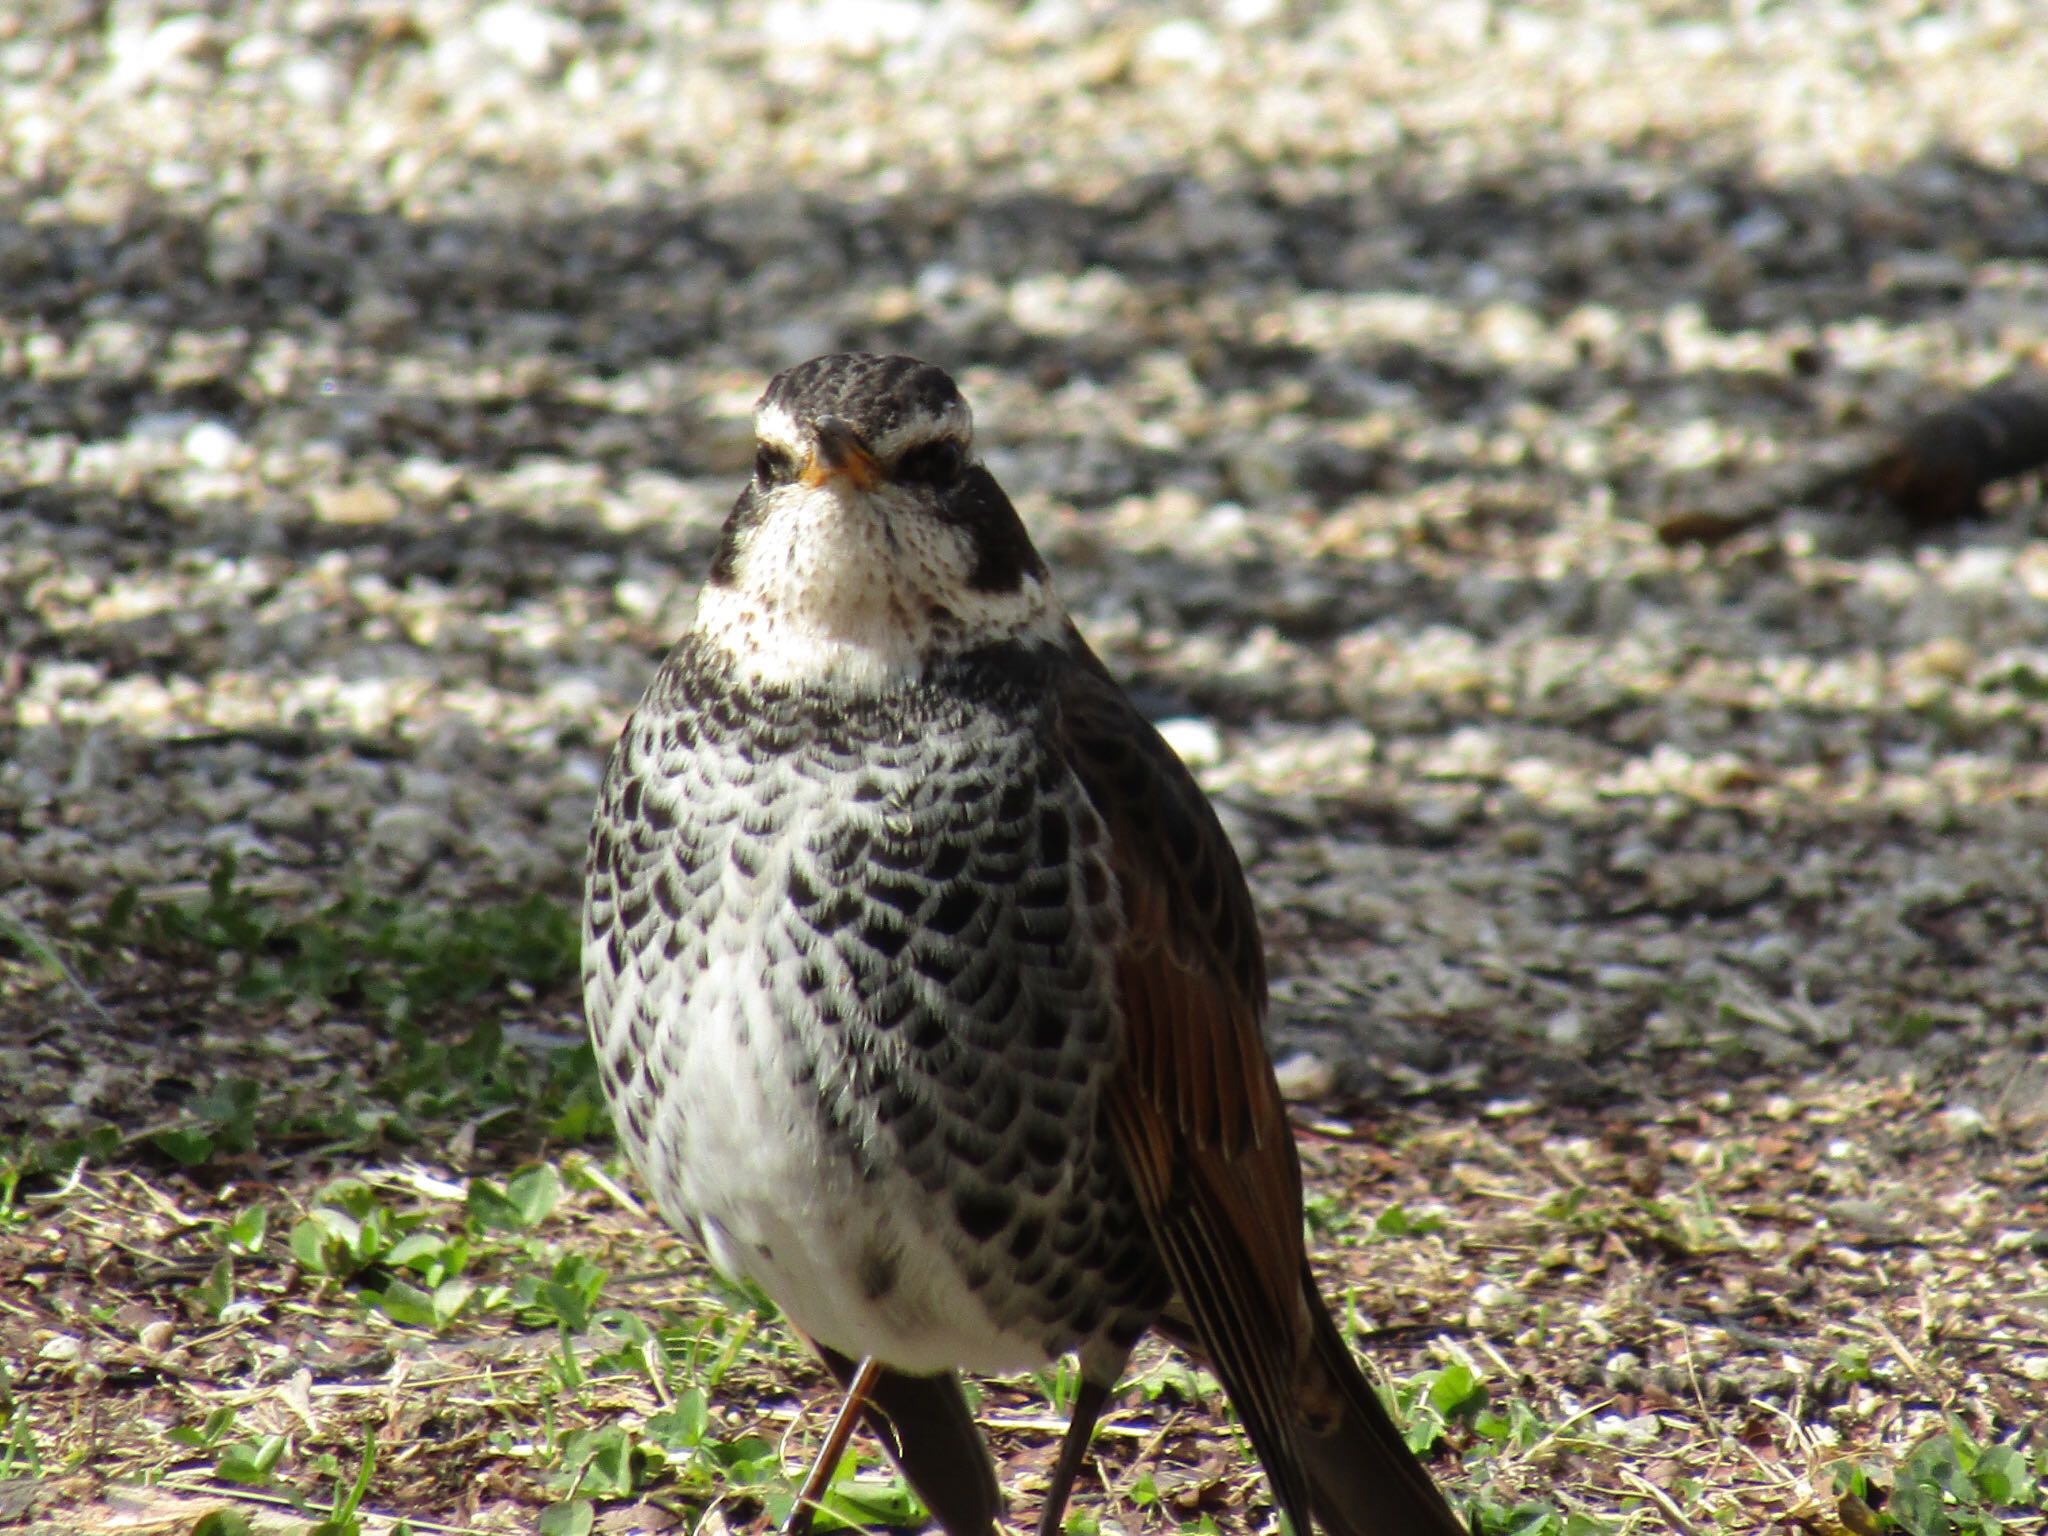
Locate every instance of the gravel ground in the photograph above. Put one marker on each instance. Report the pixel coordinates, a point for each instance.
(373, 377)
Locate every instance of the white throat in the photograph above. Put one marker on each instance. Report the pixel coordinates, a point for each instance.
(858, 591)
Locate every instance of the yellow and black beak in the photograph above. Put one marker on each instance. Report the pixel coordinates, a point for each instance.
(841, 455)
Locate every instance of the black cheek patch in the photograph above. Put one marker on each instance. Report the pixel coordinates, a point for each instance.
(746, 512)
(1003, 555)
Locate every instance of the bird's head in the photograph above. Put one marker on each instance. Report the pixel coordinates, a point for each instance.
(870, 540)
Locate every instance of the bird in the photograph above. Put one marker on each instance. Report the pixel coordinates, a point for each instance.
(926, 989)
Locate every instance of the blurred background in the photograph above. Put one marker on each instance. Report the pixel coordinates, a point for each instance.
(374, 378)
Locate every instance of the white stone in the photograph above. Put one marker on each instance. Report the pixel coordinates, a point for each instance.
(1186, 43)
(1195, 741)
(1305, 1077)
(1965, 1120)
(530, 37)
(213, 445)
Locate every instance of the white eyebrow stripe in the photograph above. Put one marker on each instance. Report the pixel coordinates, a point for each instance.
(956, 423)
(775, 427)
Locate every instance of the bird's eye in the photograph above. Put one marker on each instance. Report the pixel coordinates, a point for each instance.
(937, 462)
(773, 467)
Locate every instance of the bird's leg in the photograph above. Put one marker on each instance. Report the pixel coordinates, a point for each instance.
(1088, 1403)
(820, 1477)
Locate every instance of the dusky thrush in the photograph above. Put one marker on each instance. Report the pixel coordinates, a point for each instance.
(928, 993)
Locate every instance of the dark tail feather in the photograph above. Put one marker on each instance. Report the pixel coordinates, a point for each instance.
(1362, 1478)
(1365, 1480)
(924, 1425)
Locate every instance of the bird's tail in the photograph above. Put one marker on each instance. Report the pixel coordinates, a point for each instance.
(1363, 1479)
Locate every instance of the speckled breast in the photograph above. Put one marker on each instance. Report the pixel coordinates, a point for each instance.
(848, 967)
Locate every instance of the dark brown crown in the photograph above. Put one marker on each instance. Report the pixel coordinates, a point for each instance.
(877, 395)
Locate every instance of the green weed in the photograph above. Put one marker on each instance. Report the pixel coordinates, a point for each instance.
(414, 969)
(377, 954)
(1950, 1484)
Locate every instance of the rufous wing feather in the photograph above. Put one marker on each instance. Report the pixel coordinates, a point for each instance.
(1198, 1118)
